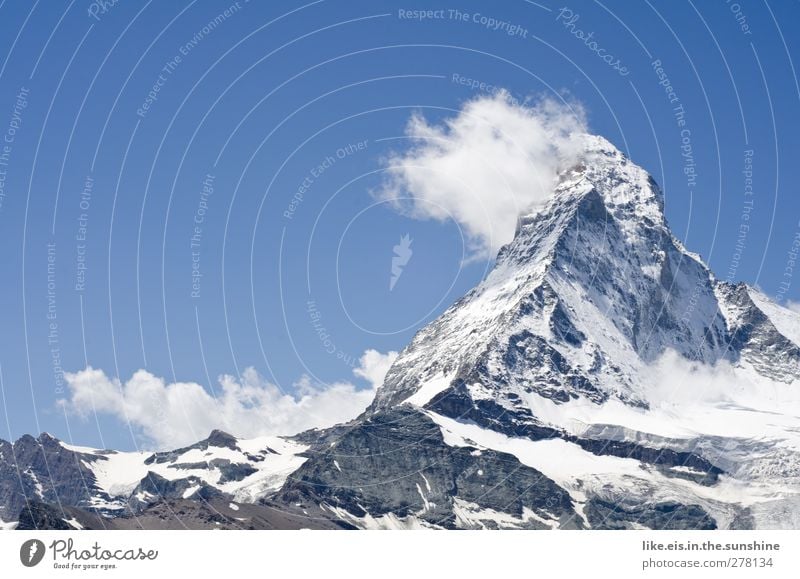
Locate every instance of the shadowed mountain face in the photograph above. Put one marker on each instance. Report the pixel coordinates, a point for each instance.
(599, 377)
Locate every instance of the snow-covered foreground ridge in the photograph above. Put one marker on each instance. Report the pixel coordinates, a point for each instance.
(114, 483)
(599, 377)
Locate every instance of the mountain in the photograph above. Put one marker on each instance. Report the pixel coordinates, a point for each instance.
(217, 482)
(580, 363)
(599, 377)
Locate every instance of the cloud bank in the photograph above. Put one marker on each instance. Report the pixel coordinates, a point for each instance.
(721, 399)
(687, 400)
(484, 166)
(170, 415)
(678, 382)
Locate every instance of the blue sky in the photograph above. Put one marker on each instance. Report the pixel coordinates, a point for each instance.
(259, 131)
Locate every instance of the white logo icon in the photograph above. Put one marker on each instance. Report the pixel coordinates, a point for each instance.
(401, 257)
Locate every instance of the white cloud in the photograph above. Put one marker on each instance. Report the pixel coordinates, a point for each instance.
(176, 414)
(687, 400)
(721, 399)
(484, 166)
(374, 367)
(792, 305)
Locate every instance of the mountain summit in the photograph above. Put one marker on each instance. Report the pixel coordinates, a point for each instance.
(598, 377)
(592, 285)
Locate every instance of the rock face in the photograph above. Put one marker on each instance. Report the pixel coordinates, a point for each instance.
(176, 514)
(41, 469)
(598, 377)
(397, 466)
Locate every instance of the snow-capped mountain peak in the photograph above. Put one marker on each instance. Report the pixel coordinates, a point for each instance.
(593, 281)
